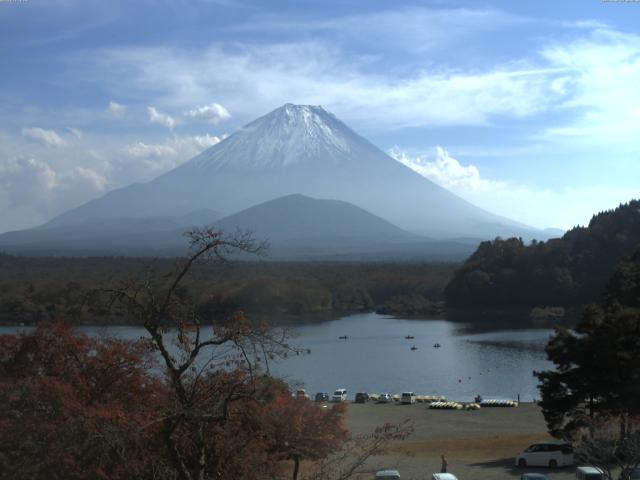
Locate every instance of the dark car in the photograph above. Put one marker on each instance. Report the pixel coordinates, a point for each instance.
(362, 397)
(322, 397)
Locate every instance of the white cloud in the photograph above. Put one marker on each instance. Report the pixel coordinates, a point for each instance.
(32, 190)
(142, 150)
(26, 178)
(116, 110)
(213, 113)
(97, 181)
(602, 72)
(48, 138)
(536, 206)
(184, 147)
(443, 169)
(163, 119)
(76, 132)
(202, 142)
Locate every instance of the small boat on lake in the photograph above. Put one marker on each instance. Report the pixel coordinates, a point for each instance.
(409, 337)
(436, 345)
(343, 337)
(414, 348)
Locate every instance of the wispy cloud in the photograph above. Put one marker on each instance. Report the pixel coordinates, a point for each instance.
(76, 132)
(163, 119)
(116, 110)
(45, 137)
(602, 72)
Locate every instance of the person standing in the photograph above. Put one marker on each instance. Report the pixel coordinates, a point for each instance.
(443, 469)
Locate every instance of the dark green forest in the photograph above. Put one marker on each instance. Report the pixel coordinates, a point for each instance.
(570, 271)
(33, 289)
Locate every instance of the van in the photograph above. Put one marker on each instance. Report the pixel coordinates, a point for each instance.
(552, 454)
(408, 397)
(340, 395)
(590, 473)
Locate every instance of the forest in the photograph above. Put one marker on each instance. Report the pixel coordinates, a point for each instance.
(33, 289)
(570, 271)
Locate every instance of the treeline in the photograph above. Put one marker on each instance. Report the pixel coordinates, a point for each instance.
(569, 271)
(32, 288)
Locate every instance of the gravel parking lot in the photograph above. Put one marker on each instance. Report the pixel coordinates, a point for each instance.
(477, 444)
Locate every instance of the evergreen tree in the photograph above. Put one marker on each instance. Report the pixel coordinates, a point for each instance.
(598, 363)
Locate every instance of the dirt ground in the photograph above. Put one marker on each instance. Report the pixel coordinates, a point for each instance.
(477, 444)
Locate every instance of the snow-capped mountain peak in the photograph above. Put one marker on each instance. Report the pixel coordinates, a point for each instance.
(290, 135)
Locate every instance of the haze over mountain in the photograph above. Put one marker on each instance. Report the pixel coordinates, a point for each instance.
(300, 149)
(371, 202)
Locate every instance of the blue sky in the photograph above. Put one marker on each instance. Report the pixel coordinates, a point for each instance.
(528, 109)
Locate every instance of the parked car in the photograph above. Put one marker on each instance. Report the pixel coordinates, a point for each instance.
(630, 474)
(408, 397)
(388, 475)
(340, 395)
(533, 476)
(301, 393)
(362, 397)
(546, 454)
(322, 397)
(443, 476)
(590, 473)
(385, 398)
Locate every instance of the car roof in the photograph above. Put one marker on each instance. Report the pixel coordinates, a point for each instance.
(444, 476)
(589, 469)
(381, 473)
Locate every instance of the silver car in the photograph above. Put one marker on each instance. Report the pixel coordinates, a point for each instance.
(385, 398)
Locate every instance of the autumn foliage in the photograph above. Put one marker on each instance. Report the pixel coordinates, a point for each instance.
(191, 401)
(79, 407)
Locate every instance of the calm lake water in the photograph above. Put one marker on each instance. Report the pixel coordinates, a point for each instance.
(377, 358)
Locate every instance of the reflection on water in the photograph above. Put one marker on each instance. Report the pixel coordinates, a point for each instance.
(376, 357)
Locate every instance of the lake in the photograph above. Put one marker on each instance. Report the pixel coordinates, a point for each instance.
(377, 358)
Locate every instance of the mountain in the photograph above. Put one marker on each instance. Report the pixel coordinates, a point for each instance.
(109, 236)
(304, 228)
(568, 271)
(297, 218)
(295, 226)
(299, 149)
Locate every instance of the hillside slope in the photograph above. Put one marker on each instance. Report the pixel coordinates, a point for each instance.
(568, 271)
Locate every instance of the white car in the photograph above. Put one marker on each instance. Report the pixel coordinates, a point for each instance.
(340, 395)
(302, 393)
(408, 397)
(533, 476)
(546, 454)
(388, 475)
(385, 398)
(443, 476)
(590, 473)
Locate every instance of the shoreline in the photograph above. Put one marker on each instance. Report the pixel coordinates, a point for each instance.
(494, 318)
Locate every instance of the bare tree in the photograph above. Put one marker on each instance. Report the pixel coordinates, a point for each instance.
(209, 364)
(351, 459)
(602, 446)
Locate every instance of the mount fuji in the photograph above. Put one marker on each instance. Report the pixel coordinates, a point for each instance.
(295, 150)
